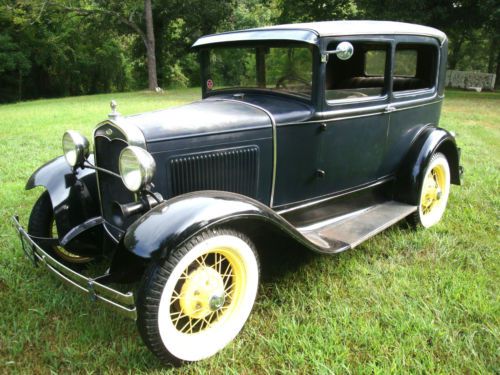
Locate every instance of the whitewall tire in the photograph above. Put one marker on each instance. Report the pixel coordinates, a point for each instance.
(195, 302)
(434, 192)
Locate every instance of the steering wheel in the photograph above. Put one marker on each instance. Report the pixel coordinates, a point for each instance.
(280, 83)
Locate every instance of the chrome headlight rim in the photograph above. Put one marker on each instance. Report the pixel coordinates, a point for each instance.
(137, 168)
(76, 147)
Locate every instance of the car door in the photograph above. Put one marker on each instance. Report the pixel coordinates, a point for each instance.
(346, 148)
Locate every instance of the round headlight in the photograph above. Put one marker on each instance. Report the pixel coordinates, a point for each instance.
(137, 167)
(75, 147)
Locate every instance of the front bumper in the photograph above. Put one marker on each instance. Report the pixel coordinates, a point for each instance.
(124, 303)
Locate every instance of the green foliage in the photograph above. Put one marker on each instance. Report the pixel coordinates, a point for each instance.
(293, 11)
(72, 47)
(468, 23)
(47, 53)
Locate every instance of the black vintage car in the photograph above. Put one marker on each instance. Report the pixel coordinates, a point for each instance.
(324, 133)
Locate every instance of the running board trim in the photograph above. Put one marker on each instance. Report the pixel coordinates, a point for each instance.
(348, 231)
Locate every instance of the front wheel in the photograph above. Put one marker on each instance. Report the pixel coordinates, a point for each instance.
(434, 192)
(195, 302)
(42, 224)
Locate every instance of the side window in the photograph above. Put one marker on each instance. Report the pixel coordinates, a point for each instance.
(414, 67)
(375, 63)
(360, 77)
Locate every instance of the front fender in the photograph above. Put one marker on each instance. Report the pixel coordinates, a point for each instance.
(73, 193)
(175, 221)
(429, 141)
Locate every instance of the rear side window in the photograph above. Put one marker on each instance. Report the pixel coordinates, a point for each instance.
(359, 78)
(405, 64)
(375, 62)
(414, 67)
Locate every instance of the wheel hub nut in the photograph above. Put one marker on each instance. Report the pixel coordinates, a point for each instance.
(216, 302)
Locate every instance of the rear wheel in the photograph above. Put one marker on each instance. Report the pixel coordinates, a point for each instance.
(42, 224)
(192, 304)
(435, 189)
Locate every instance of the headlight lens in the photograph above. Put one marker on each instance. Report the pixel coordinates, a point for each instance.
(137, 167)
(75, 147)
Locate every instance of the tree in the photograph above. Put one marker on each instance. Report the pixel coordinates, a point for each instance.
(50, 54)
(126, 14)
(458, 19)
(316, 10)
(150, 45)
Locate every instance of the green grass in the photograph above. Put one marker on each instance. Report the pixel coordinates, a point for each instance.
(405, 301)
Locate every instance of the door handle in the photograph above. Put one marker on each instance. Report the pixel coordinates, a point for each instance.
(389, 109)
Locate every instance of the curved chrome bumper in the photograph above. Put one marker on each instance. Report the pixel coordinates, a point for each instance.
(123, 303)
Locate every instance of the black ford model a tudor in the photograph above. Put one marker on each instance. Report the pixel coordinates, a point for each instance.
(325, 133)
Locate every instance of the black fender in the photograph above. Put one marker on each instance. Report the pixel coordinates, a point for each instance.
(175, 221)
(411, 172)
(73, 193)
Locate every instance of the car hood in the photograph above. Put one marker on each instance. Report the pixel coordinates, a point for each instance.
(199, 118)
(216, 115)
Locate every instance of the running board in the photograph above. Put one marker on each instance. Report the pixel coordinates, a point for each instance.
(346, 232)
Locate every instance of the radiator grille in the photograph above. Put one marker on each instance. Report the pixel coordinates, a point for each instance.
(234, 170)
(111, 188)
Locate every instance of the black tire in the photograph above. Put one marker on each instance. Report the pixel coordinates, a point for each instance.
(155, 283)
(429, 214)
(41, 224)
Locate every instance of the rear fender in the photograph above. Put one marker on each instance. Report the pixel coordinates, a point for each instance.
(173, 222)
(73, 194)
(429, 141)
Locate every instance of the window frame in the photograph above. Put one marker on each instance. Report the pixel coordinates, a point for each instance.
(203, 54)
(422, 93)
(346, 103)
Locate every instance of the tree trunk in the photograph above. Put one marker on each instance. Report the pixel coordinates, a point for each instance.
(493, 55)
(455, 52)
(497, 82)
(20, 86)
(150, 46)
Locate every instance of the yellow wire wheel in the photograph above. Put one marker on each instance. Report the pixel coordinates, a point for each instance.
(64, 254)
(435, 190)
(208, 291)
(207, 295)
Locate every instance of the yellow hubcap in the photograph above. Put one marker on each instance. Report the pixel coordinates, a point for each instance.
(434, 185)
(202, 293)
(208, 292)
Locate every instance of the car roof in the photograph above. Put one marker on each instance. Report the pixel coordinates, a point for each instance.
(310, 32)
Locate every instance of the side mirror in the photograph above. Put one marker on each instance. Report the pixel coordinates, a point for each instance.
(344, 51)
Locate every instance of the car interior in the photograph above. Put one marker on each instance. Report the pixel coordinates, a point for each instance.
(363, 74)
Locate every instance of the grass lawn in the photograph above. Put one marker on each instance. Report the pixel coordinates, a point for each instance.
(405, 301)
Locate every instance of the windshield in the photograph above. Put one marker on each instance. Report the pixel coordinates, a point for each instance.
(285, 69)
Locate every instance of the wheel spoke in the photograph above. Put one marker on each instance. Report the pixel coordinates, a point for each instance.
(185, 325)
(176, 320)
(229, 288)
(174, 299)
(204, 259)
(218, 262)
(178, 313)
(204, 323)
(199, 261)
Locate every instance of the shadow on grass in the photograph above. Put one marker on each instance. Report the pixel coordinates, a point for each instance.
(280, 256)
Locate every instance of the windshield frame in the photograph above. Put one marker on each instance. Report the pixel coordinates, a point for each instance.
(204, 69)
